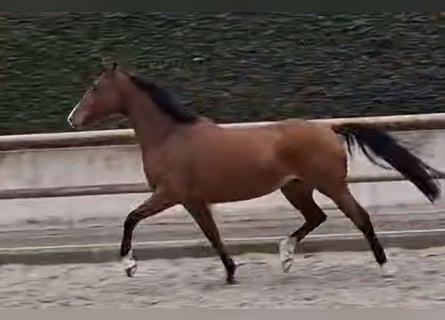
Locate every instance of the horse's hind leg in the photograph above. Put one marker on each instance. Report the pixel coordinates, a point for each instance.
(203, 217)
(346, 202)
(301, 197)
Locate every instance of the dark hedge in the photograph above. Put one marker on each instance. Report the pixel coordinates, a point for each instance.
(232, 67)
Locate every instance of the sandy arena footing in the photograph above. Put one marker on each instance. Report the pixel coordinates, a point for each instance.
(415, 278)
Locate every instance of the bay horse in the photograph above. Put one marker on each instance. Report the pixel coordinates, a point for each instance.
(191, 161)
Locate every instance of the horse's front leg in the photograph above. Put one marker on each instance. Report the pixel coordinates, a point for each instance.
(157, 203)
(203, 217)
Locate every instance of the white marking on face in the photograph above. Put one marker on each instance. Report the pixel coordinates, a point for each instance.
(287, 249)
(70, 116)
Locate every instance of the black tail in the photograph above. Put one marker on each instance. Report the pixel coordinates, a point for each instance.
(376, 143)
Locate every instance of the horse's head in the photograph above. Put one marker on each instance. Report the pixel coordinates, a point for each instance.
(102, 99)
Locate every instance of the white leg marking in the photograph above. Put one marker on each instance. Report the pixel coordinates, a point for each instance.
(129, 264)
(388, 270)
(287, 249)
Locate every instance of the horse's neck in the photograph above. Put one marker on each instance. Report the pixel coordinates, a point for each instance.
(152, 127)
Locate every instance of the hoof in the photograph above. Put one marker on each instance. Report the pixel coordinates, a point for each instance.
(388, 271)
(287, 264)
(230, 269)
(231, 281)
(287, 248)
(130, 265)
(131, 271)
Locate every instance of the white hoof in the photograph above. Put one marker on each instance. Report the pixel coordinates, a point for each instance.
(287, 248)
(388, 270)
(129, 263)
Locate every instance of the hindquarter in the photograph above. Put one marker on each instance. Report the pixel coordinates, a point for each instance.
(313, 152)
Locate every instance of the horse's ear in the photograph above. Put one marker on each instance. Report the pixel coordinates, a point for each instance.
(108, 65)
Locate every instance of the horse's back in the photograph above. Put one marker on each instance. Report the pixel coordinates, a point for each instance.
(291, 137)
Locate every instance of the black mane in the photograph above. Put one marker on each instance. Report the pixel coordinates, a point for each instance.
(164, 100)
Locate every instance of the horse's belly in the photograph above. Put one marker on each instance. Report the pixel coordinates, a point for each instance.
(245, 186)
